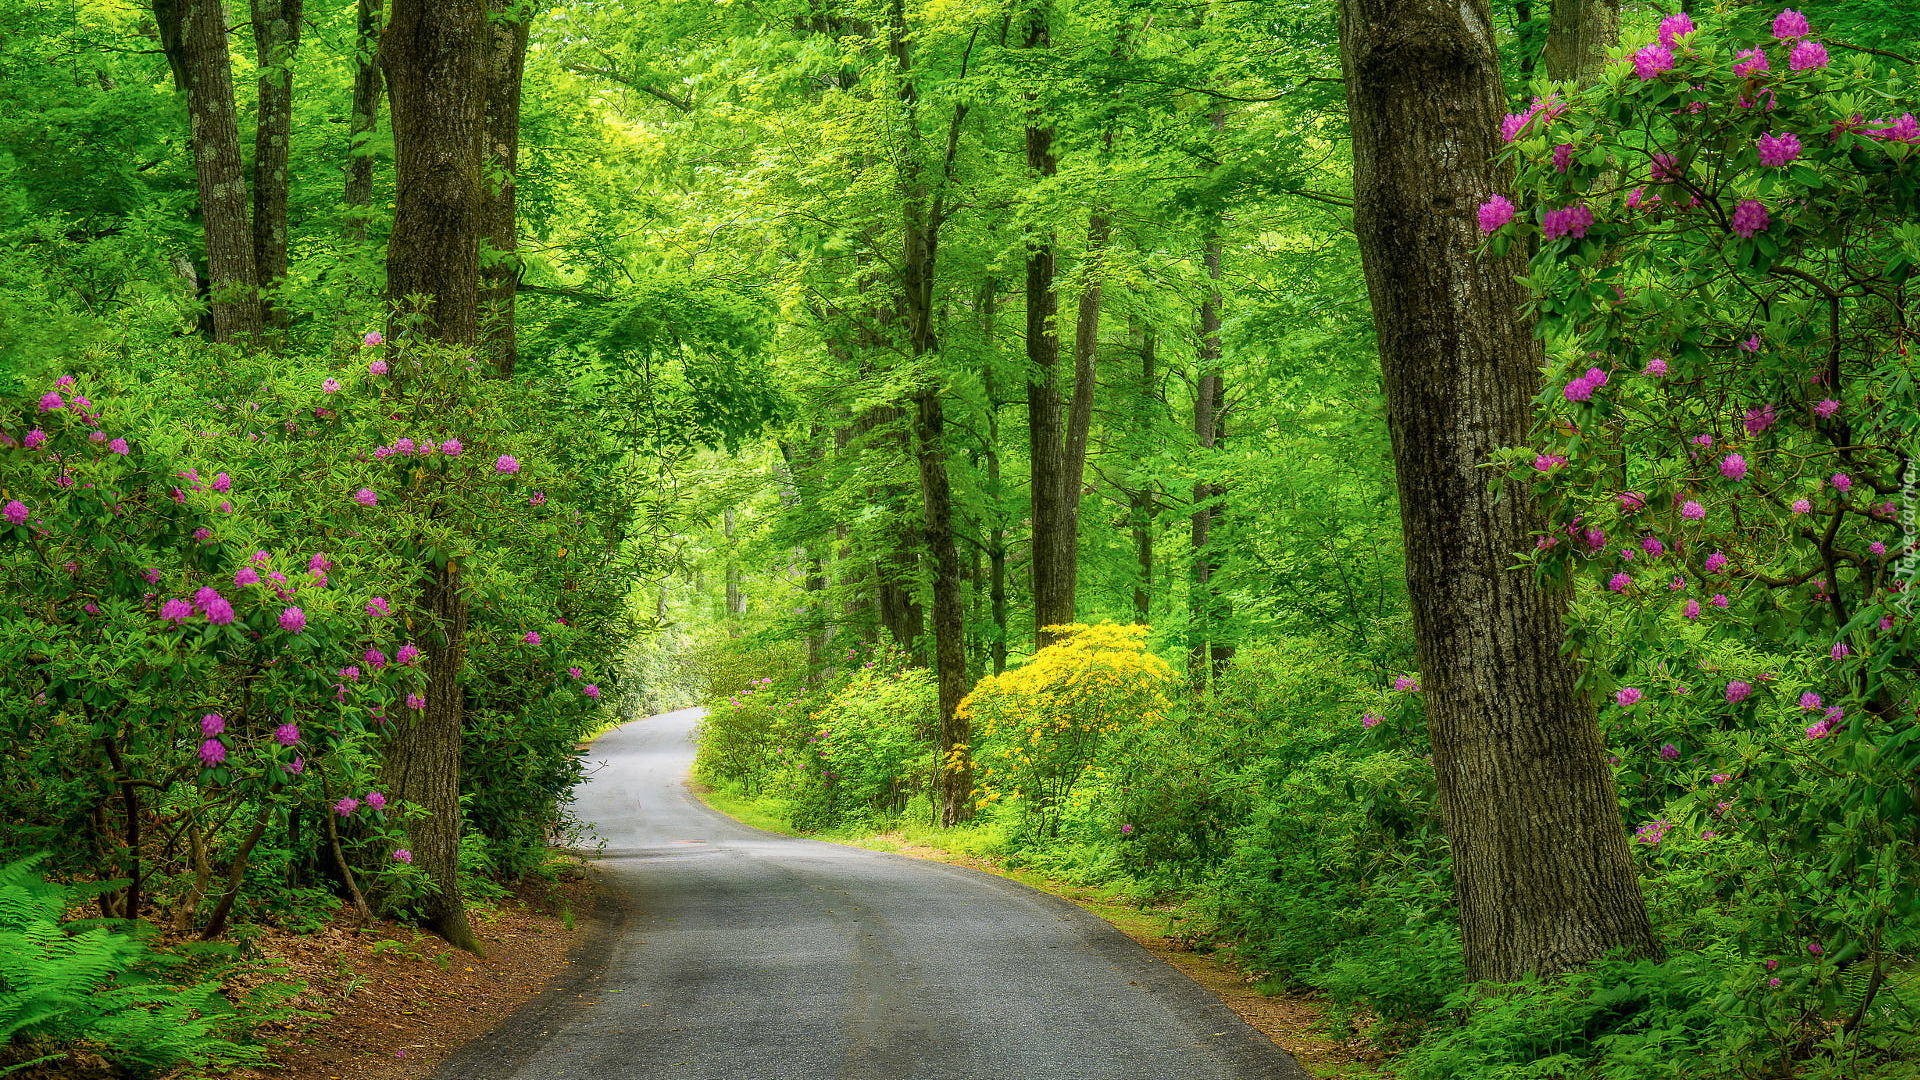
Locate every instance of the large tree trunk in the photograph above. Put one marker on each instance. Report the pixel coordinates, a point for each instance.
(1206, 608)
(360, 124)
(231, 269)
(1140, 501)
(1543, 877)
(1054, 543)
(433, 55)
(500, 270)
(276, 38)
(1579, 33)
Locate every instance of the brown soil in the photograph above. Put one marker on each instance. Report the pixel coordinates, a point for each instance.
(395, 1001)
(1296, 1022)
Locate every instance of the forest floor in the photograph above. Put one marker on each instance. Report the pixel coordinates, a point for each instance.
(1297, 1022)
(392, 1002)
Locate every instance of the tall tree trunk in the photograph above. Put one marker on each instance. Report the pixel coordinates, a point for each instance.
(364, 117)
(422, 764)
(736, 599)
(276, 38)
(233, 276)
(433, 55)
(1579, 33)
(1206, 608)
(1140, 501)
(1054, 543)
(1543, 877)
(500, 270)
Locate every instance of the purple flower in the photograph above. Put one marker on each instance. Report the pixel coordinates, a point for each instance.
(1406, 685)
(1651, 60)
(297, 766)
(1807, 56)
(1760, 418)
(1368, 720)
(532, 638)
(331, 386)
(1669, 752)
(1619, 583)
(118, 446)
(505, 463)
(176, 611)
(1627, 695)
(346, 806)
(16, 512)
(1721, 778)
(378, 367)
(1733, 467)
(151, 575)
(219, 612)
(451, 448)
(246, 575)
(204, 596)
(403, 855)
(1826, 408)
(212, 724)
(1738, 691)
(1749, 217)
(1877, 548)
(35, 438)
(373, 338)
(1751, 345)
(1692, 610)
(376, 801)
(1548, 462)
(1820, 730)
(1841, 481)
(591, 691)
(403, 447)
(1802, 506)
(415, 701)
(1494, 213)
(51, 402)
(1652, 546)
(286, 734)
(377, 607)
(1814, 948)
(575, 672)
(1778, 150)
(293, 620)
(1631, 501)
(366, 497)
(221, 483)
(1716, 562)
(1562, 157)
(1791, 24)
(1693, 511)
(1674, 26)
(538, 498)
(1572, 221)
(1582, 388)
(1677, 583)
(1809, 700)
(212, 752)
(1752, 61)
(203, 534)
(407, 655)
(1841, 651)
(375, 659)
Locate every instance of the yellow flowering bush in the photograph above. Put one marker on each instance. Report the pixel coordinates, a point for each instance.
(1039, 727)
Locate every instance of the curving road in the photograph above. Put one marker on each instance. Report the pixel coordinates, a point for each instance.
(736, 954)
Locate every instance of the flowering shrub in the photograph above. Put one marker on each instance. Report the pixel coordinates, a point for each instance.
(1039, 727)
(1733, 481)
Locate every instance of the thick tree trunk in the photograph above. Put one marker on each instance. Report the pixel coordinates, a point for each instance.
(233, 277)
(500, 269)
(1206, 608)
(433, 55)
(360, 124)
(1140, 502)
(1579, 33)
(276, 38)
(1054, 542)
(1543, 877)
(422, 764)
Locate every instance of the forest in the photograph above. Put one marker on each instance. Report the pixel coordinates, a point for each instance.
(1421, 494)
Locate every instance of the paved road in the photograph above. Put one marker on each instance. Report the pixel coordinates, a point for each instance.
(736, 954)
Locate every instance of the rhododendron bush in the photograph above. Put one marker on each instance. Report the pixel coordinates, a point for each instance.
(216, 610)
(1725, 231)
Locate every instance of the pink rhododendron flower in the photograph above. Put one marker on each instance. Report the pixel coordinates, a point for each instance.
(403, 855)
(1692, 610)
(212, 724)
(1652, 546)
(1733, 467)
(1791, 24)
(1842, 481)
(378, 367)
(415, 701)
(1807, 56)
(1548, 462)
(532, 637)
(575, 672)
(35, 438)
(1693, 511)
(373, 338)
(1719, 600)
(1716, 562)
(1571, 221)
(1627, 695)
(346, 806)
(377, 607)
(591, 691)
(1826, 408)
(376, 801)
(375, 659)
(1494, 213)
(212, 752)
(1752, 62)
(538, 498)
(52, 401)
(1802, 506)
(1669, 752)
(293, 620)
(451, 448)
(1749, 217)
(366, 497)
(16, 512)
(1665, 169)
(1677, 583)
(506, 463)
(1738, 691)
(286, 734)
(1655, 366)
(1368, 720)
(1406, 685)
(407, 654)
(1778, 150)
(1631, 501)
(176, 611)
(331, 386)
(1841, 651)
(1619, 583)
(1562, 157)
(1674, 27)
(118, 446)
(1652, 60)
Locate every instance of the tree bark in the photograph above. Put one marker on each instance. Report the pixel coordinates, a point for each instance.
(1207, 611)
(276, 38)
(422, 764)
(736, 599)
(1140, 501)
(1579, 33)
(1543, 877)
(1054, 543)
(433, 57)
(500, 268)
(232, 272)
(236, 874)
(358, 195)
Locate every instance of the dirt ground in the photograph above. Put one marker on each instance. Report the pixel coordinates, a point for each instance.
(395, 1001)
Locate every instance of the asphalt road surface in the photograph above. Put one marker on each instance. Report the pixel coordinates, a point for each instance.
(736, 954)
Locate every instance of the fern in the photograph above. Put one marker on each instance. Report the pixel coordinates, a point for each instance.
(65, 982)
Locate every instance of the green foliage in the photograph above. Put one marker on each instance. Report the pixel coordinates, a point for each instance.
(63, 983)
